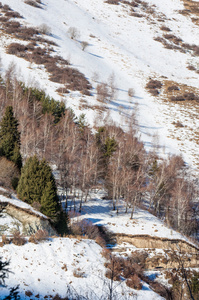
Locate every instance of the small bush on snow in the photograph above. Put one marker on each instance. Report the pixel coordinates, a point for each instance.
(18, 239)
(45, 29)
(78, 273)
(134, 282)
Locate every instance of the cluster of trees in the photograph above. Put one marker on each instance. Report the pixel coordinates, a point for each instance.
(34, 181)
(111, 157)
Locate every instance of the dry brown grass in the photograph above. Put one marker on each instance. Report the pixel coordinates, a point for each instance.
(173, 89)
(191, 9)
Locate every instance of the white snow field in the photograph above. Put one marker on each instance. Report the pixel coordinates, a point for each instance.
(48, 268)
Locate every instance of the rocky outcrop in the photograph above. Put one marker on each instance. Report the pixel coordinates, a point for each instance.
(31, 220)
(189, 253)
(152, 242)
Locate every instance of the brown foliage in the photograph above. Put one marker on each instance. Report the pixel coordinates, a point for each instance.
(78, 273)
(100, 241)
(13, 14)
(32, 239)
(5, 240)
(177, 98)
(41, 235)
(28, 293)
(103, 93)
(134, 282)
(116, 2)
(154, 84)
(32, 3)
(17, 49)
(8, 171)
(18, 239)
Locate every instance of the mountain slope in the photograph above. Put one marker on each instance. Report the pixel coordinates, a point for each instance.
(122, 42)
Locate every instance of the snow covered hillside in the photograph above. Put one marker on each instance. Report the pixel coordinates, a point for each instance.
(116, 61)
(128, 44)
(62, 266)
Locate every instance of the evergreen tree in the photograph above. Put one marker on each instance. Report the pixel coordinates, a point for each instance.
(37, 184)
(10, 138)
(48, 203)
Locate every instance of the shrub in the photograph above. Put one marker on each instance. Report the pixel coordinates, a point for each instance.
(16, 49)
(103, 93)
(131, 92)
(45, 29)
(26, 33)
(32, 3)
(134, 282)
(12, 27)
(191, 68)
(28, 293)
(6, 7)
(57, 297)
(84, 227)
(189, 96)
(100, 241)
(41, 235)
(84, 45)
(154, 84)
(9, 174)
(173, 88)
(5, 240)
(18, 239)
(136, 15)
(139, 257)
(106, 253)
(13, 14)
(64, 268)
(78, 273)
(115, 2)
(164, 28)
(178, 124)
(177, 98)
(196, 50)
(32, 239)
(160, 289)
(4, 19)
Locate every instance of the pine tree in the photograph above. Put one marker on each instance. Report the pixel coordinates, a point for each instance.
(37, 184)
(10, 138)
(49, 201)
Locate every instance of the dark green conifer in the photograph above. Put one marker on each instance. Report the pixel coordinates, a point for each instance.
(10, 138)
(49, 201)
(37, 184)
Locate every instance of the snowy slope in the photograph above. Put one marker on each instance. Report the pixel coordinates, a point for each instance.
(123, 45)
(48, 268)
(100, 212)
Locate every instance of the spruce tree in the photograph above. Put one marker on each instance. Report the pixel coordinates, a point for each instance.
(49, 206)
(10, 138)
(37, 184)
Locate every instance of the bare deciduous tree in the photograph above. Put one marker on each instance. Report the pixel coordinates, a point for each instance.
(74, 33)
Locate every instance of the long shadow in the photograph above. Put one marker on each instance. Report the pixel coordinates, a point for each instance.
(119, 105)
(93, 220)
(55, 36)
(96, 209)
(98, 56)
(148, 127)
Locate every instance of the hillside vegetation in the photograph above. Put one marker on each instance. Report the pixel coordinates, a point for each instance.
(99, 132)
